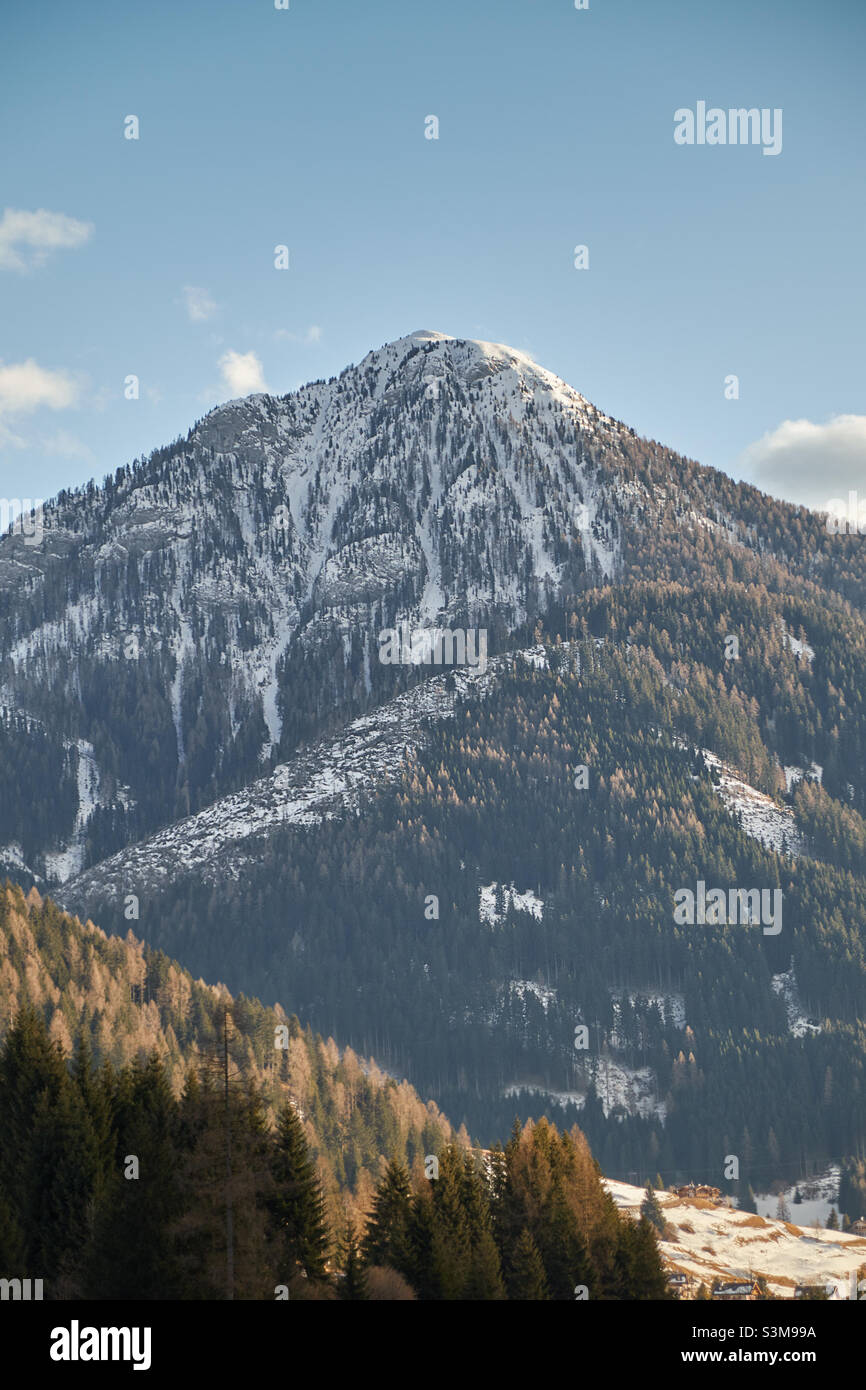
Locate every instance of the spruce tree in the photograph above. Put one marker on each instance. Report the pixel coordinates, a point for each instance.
(386, 1239)
(650, 1208)
(133, 1255)
(295, 1206)
(527, 1280)
(452, 1233)
(353, 1284)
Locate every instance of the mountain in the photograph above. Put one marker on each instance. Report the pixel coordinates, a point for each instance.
(471, 875)
(182, 628)
(210, 606)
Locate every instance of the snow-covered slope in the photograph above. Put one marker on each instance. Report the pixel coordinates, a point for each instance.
(322, 780)
(207, 609)
(758, 814)
(721, 1242)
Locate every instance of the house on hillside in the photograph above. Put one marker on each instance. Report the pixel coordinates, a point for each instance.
(858, 1227)
(680, 1283)
(739, 1291)
(690, 1189)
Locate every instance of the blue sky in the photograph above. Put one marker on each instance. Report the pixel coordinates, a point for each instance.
(305, 127)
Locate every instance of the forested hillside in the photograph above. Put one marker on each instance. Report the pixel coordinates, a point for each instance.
(336, 919)
(125, 1136)
(119, 1002)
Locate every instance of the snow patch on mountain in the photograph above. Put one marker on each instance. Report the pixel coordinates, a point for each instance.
(632, 1089)
(758, 814)
(797, 645)
(12, 861)
(664, 1003)
(61, 865)
(795, 774)
(543, 993)
(621, 1089)
(799, 1024)
(527, 901)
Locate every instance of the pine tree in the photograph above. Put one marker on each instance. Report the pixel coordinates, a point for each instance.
(484, 1281)
(650, 1208)
(31, 1067)
(452, 1229)
(213, 1199)
(296, 1207)
(133, 1254)
(420, 1241)
(63, 1162)
(646, 1277)
(353, 1285)
(386, 1237)
(527, 1280)
(485, 1269)
(48, 1154)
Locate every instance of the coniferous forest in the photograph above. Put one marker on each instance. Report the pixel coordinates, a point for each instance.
(332, 920)
(122, 1151)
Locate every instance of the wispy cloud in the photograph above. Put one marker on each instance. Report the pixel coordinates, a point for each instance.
(808, 463)
(27, 239)
(242, 373)
(312, 335)
(199, 304)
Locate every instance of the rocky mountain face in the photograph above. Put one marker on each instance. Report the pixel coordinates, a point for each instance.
(213, 604)
(185, 626)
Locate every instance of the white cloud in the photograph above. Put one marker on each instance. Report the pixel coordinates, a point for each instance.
(808, 463)
(312, 335)
(242, 373)
(199, 304)
(25, 386)
(28, 238)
